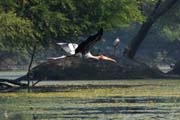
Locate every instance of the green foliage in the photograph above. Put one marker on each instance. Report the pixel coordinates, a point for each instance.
(170, 23)
(24, 22)
(7, 5)
(107, 13)
(16, 33)
(70, 19)
(172, 32)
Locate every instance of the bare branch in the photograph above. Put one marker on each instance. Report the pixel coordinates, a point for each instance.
(36, 83)
(12, 82)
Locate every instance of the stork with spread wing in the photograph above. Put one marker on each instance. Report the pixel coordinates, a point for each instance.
(83, 49)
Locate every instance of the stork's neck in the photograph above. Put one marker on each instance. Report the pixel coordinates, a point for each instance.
(89, 55)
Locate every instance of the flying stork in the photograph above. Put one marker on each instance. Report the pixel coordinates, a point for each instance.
(82, 50)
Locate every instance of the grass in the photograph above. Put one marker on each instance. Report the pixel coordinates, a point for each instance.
(76, 100)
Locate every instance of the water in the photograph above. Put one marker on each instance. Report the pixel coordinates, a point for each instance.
(93, 100)
(11, 74)
(101, 108)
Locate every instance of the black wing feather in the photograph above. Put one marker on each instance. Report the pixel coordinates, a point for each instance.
(87, 44)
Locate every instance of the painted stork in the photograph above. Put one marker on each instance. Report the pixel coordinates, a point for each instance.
(116, 44)
(82, 50)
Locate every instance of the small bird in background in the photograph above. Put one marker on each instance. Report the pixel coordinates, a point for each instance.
(116, 44)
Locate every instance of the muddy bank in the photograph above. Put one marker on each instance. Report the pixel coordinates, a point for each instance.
(73, 68)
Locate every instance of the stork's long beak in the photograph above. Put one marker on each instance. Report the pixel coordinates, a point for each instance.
(107, 58)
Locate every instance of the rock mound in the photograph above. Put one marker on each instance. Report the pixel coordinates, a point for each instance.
(73, 68)
(176, 69)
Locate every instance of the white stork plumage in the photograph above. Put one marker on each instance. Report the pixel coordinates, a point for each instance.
(116, 44)
(73, 49)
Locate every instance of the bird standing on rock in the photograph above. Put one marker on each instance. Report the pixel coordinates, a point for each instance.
(116, 44)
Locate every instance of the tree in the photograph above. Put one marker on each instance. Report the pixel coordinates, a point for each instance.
(67, 20)
(70, 19)
(161, 7)
(27, 22)
(17, 33)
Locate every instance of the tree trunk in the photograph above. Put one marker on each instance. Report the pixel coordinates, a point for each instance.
(137, 40)
(132, 48)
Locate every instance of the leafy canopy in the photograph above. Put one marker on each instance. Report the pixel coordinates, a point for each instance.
(17, 33)
(24, 22)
